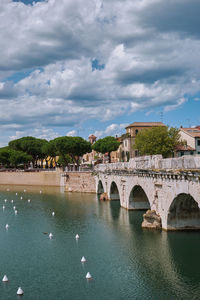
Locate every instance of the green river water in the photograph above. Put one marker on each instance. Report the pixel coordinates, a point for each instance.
(125, 261)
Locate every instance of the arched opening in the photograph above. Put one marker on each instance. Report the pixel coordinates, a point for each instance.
(100, 189)
(138, 199)
(114, 192)
(183, 213)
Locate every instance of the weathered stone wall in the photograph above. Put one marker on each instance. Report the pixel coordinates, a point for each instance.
(80, 182)
(154, 162)
(45, 178)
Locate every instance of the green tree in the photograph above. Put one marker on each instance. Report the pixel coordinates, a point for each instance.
(10, 157)
(157, 140)
(50, 152)
(73, 146)
(18, 158)
(79, 147)
(4, 156)
(106, 145)
(31, 145)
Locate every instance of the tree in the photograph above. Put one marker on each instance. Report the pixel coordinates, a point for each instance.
(73, 146)
(31, 145)
(50, 152)
(157, 140)
(18, 157)
(79, 147)
(10, 157)
(106, 145)
(4, 156)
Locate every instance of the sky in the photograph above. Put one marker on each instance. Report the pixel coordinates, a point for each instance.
(74, 67)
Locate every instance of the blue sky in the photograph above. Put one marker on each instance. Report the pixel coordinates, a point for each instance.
(73, 67)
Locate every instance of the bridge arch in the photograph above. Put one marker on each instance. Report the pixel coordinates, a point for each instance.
(100, 188)
(138, 199)
(114, 191)
(183, 213)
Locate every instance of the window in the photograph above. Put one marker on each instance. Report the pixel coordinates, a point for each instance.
(198, 152)
(182, 153)
(198, 142)
(191, 152)
(136, 131)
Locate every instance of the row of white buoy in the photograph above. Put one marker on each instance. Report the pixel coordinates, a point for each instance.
(19, 291)
(83, 260)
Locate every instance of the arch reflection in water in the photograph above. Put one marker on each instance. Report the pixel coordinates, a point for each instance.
(184, 213)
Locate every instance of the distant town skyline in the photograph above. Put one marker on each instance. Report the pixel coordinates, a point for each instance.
(73, 67)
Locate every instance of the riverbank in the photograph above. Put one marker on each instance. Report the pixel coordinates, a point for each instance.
(42, 178)
(83, 182)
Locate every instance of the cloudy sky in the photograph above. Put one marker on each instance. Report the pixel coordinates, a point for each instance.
(78, 67)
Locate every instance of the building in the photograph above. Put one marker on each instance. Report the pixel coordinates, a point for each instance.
(126, 149)
(192, 138)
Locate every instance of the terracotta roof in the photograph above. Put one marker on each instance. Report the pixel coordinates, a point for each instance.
(92, 136)
(194, 132)
(146, 124)
(184, 148)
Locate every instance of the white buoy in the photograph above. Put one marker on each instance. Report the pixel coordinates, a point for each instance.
(20, 291)
(40, 192)
(88, 276)
(83, 260)
(21, 198)
(16, 194)
(3, 207)
(11, 201)
(77, 236)
(14, 207)
(7, 226)
(5, 278)
(24, 191)
(53, 214)
(29, 200)
(5, 200)
(8, 190)
(16, 212)
(50, 235)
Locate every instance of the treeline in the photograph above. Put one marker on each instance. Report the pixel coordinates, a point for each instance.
(21, 152)
(29, 149)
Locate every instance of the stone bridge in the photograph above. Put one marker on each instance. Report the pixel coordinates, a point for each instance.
(168, 188)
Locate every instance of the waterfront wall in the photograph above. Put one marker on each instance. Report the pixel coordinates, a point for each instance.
(48, 178)
(80, 182)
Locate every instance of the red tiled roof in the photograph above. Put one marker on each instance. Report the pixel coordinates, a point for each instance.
(194, 132)
(146, 124)
(184, 148)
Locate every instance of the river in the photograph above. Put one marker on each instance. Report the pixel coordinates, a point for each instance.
(125, 261)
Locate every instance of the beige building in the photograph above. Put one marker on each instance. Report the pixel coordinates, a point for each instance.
(126, 149)
(192, 138)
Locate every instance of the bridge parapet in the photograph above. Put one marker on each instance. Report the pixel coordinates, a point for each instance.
(154, 162)
(159, 174)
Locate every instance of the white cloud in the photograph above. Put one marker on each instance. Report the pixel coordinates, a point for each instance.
(113, 130)
(40, 133)
(149, 62)
(71, 133)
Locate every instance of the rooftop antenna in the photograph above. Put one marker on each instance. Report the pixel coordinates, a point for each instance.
(161, 116)
(188, 120)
